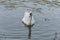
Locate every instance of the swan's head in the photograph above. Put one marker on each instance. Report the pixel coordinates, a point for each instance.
(30, 14)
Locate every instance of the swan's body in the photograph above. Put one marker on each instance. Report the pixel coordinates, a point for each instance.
(28, 18)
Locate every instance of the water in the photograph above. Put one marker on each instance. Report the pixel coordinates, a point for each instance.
(46, 14)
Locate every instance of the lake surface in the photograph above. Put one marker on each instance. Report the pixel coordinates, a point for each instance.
(46, 14)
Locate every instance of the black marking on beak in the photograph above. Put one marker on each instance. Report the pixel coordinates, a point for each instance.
(30, 14)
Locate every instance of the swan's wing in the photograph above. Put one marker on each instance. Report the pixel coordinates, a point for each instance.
(26, 18)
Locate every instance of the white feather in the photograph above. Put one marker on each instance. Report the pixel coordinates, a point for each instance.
(26, 19)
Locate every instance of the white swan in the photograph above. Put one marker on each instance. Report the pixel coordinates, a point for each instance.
(28, 18)
(29, 21)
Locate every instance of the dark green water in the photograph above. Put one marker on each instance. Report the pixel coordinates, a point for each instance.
(46, 14)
